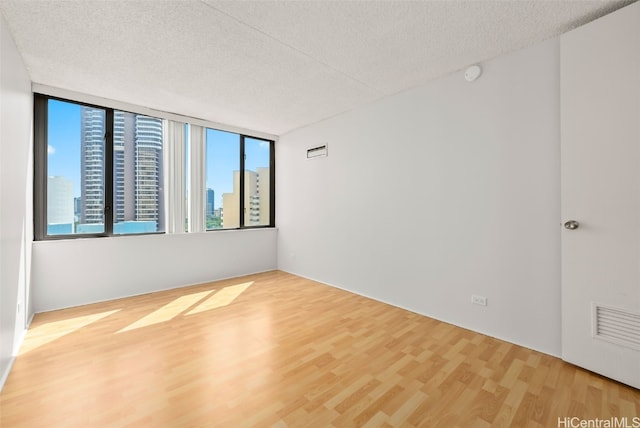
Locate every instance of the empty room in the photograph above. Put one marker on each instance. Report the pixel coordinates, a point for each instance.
(319, 213)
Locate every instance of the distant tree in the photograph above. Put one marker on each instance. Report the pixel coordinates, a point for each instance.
(214, 222)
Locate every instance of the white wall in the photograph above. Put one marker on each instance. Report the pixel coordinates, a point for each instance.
(436, 194)
(79, 271)
(16, 173)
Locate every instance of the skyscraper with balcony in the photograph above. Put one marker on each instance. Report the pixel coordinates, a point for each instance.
(92, 165)
(137, 168)
(123, 166)
(148, 169)
(256, 199)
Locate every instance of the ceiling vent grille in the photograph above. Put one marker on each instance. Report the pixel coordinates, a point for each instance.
(317, 152)
(617, 326)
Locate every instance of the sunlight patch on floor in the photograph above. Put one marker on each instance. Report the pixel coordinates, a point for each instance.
(168, 311)
(222, 298)
(47, 333)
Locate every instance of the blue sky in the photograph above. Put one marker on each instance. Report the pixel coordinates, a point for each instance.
(223, 150)
(64, 142)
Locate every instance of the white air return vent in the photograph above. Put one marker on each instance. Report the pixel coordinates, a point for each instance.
(317, 152)
(616, 325)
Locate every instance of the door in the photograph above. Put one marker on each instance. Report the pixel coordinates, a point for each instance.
(600, 170)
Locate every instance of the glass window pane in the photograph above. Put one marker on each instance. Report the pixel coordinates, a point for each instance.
(75, 169)
(223, 180)
(137, 174)
(257, 182)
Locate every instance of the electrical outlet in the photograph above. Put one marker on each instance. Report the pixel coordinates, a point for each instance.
(478, 300)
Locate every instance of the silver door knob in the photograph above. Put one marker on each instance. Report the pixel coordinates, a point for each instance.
(571, 225)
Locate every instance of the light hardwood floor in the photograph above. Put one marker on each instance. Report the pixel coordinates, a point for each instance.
(277, 350)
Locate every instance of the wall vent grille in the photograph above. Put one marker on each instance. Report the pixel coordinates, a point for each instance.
(616, 325)
(317, 152)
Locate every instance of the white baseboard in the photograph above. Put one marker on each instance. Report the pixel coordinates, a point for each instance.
(7, 369)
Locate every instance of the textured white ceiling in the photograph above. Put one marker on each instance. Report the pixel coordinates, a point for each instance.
(271, 66)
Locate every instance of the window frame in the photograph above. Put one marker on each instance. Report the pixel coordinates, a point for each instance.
(241, 184)
(40, 173)
(272, 184)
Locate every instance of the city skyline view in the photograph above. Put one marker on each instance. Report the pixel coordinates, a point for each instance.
(76, 156)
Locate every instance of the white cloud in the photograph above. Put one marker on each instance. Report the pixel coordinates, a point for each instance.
(264, 144)
(51, 150)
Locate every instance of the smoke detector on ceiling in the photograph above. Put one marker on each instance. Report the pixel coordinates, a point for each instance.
(472, 73)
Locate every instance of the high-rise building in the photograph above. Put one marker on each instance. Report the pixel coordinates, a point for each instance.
(124, 167)
(137, 164)
(77, 208)
(264, 196)
(148, 170)
(210, 203)
(92, 165)
(60, 204)
(256, 200)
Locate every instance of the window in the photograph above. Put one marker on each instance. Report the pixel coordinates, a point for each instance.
(99, 171)
(222, 179)
(106, 172)
(257, 184)
(75, 172)
(239, 179)
(137, 174)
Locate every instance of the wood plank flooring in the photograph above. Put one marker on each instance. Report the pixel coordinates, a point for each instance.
(277, 350)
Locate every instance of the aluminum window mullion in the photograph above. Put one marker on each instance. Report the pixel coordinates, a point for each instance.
(242, 208)
(108, 173)
(272, 184)
(40, 114)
